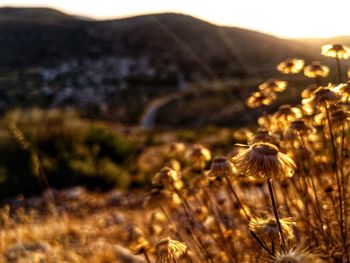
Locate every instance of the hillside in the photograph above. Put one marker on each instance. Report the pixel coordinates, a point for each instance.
(115, 68)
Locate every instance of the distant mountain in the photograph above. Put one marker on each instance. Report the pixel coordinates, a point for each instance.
(42, 36)
(49, 58)
(40, 15)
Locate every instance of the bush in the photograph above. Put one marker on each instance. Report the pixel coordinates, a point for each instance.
(68, 151)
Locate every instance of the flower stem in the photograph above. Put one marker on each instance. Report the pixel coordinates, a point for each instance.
(274, 207)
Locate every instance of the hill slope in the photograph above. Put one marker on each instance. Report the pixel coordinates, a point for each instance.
(116, 67)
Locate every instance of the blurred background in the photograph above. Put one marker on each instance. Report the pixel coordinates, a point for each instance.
(91, 93)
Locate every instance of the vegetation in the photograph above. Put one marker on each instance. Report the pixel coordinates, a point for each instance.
(57, 148)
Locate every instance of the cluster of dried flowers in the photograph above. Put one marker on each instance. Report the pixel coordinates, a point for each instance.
(315, 70)
(280, 197)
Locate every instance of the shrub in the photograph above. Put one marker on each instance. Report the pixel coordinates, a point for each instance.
(70, 151)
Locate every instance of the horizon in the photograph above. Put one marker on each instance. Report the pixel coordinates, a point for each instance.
(220, 13)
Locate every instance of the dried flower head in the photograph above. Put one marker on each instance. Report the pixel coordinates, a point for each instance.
(291, 66)
(321, 96)
(343, 90)
(167, 178)
(140, 247)
(262, 135)
(263, 160)
(169, 250)
(287, 113)
(273, 85)
(300, 127)
(335, 51)
(259, 98)
(309, 91)
(242, 134)
(198, 156)
(339, 118)
(268, 228)
(220, 167)
(315, 70)
(297, 255)
(176, 148)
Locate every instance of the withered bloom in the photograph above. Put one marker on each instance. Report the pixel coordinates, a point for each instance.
(296, 256)
(287, 113)
(262, 135)
(169, 250)
(291, 66)
(339, 118)
(220, 168)
(258, 99)
(263, 160)
(268, 227)
(335, 51)
(198, 156)
(343, 90)
(273, 85)
(167, 178)
(242, 134)
(338, 52)
(300, 127)
(309, 91)
(321, 96)
(315, 70)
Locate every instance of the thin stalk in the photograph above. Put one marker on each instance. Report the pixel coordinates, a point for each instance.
(318, 209)
(342, 179)
(338, 68)
(146, 256)
(317, 81)
(274, 207)
(217, 224)
(192, 221)
(335, 168)
(261, 243)
(236, 197)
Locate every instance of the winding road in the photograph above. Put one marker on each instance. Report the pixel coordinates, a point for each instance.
(150, 114)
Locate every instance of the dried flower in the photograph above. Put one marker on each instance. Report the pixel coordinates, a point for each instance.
(169, 250)
(167, 178)
(220, 167)
(335, 51)
(315, 70)
(268, 227)
(242, 134)
(343, 90)
(296, 256)
(291, 66)
(262, 135)
(339, 118)
(300, 127)
(273, 85)
(321, 96)
(198, 156)
(257, 99)
(307, 93)
(263, 160)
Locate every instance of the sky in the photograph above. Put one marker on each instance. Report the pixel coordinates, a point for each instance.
(293, 18)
